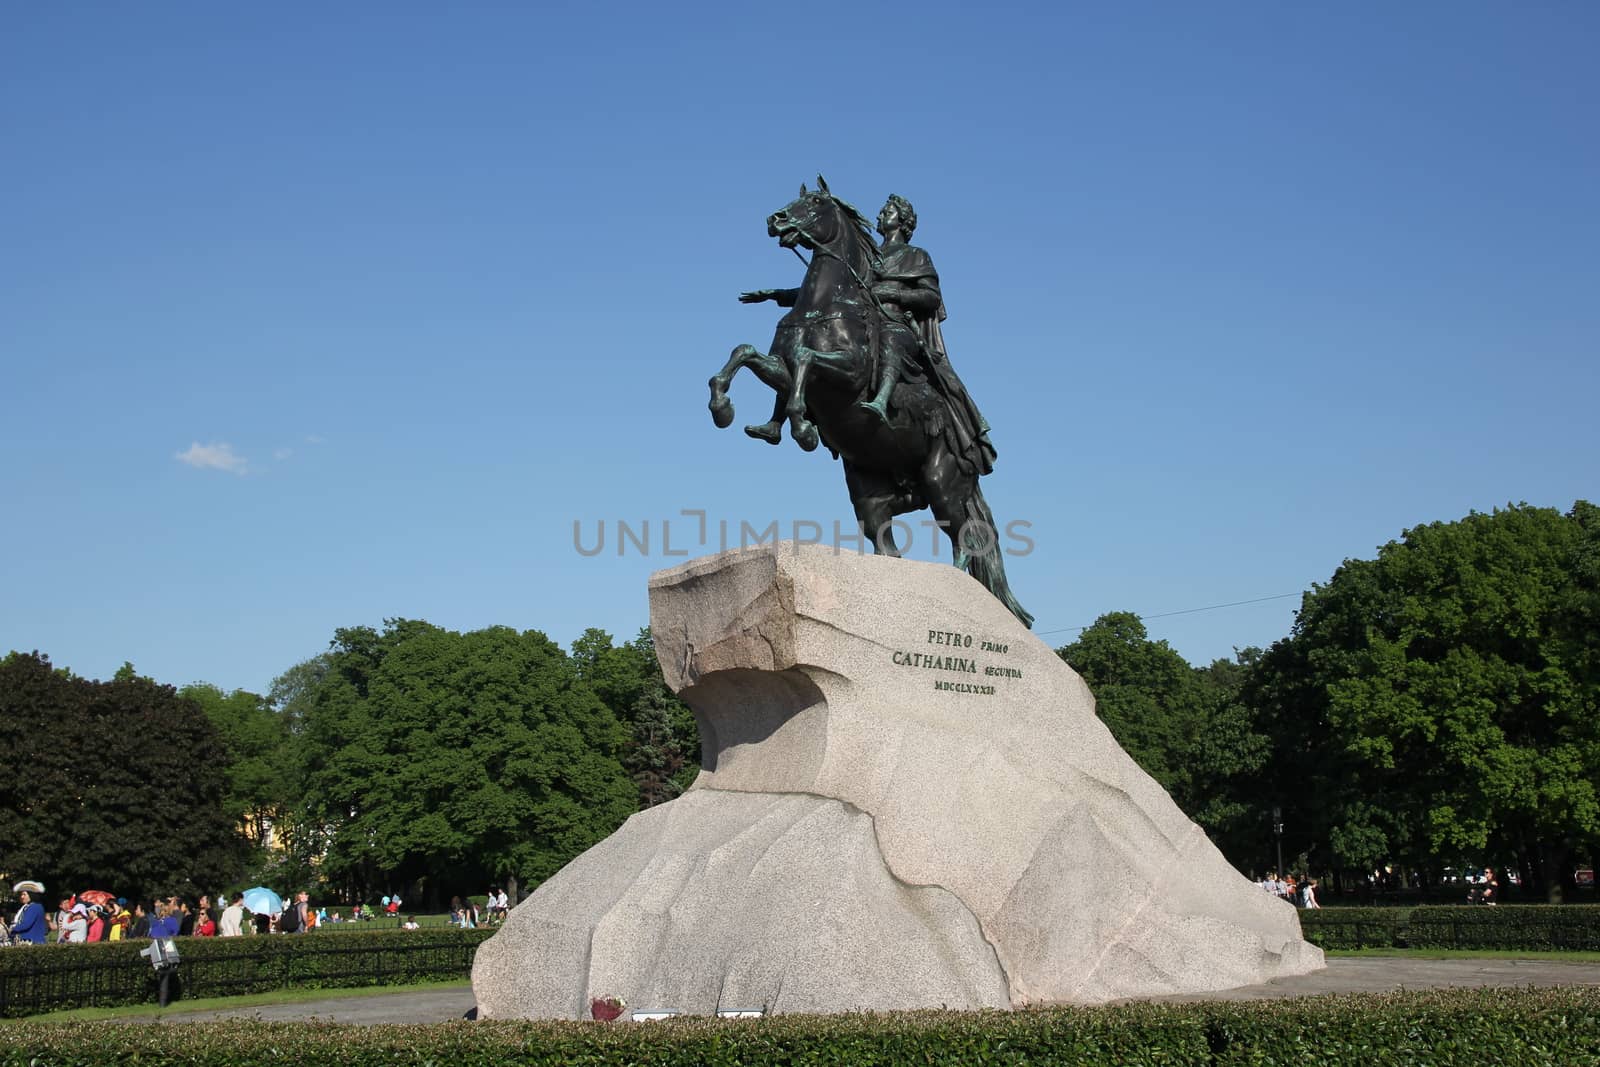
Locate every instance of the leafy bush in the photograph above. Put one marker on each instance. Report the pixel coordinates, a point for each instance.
(1356, 927)
(1442, 1028)
(1540, 927)
(1507, 927)
(53, 977)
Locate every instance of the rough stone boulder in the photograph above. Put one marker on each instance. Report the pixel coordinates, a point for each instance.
(907, 801)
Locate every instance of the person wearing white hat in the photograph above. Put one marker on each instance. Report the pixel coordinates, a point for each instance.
(29, 924)
(76, 929)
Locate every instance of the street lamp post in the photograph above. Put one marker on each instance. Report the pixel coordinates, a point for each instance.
(1277, 832)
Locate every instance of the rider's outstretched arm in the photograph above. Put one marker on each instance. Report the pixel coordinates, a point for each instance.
(784, 298)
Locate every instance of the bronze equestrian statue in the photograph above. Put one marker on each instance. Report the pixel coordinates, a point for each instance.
(859, 365)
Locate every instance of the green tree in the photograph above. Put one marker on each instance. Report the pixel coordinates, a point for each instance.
(662, 754)
(1441, 703)
(1185, 726)
(447, 759)
(295, 690)
(115, 785)
(1226, 751)
(260, 758)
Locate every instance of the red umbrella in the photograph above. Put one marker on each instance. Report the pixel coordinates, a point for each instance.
(96, 896)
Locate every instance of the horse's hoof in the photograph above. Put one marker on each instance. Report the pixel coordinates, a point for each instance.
(805, 435)
(721, 411)
(769, 433)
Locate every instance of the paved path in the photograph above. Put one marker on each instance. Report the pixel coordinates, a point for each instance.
(1384, 974)
(1350, 974)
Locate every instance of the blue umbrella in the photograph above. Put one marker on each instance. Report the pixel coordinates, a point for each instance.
(262, 901)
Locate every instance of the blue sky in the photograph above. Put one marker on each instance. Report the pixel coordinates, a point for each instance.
(1244, 290)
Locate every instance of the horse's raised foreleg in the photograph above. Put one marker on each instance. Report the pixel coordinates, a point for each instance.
(721, 407)
(800, 427)
(842, 366)
(769, 369)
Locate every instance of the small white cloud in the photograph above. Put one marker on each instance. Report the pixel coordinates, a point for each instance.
(217, 456)
(315, 439)
(282, 453)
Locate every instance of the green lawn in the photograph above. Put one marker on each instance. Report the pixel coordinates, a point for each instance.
(294, 996)
(254, 1000)
(1467, 954)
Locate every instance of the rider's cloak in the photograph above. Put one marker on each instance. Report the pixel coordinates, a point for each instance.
(913, 268)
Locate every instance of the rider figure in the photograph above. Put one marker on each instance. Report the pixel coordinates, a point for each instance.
(909, 339)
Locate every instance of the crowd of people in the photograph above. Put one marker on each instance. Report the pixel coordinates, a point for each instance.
(1481, 889)
(467, 915)
(92, 915)
(1302, 893)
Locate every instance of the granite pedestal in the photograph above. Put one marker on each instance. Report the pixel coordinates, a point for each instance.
(907, 801)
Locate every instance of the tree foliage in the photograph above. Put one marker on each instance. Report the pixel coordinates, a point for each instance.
(115, 785)
(259, 759)
(1437, 704)
(449, 759)
(663, 749)
(1440, 701)
(1184, 725)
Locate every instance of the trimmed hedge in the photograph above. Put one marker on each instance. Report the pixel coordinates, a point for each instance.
(1355, 927)
(54, 977)
(1509, 927)
(1442, 1028)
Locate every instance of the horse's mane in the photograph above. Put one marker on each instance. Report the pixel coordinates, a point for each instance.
(863, 228)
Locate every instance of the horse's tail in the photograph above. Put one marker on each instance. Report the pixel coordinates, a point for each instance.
(988, 566)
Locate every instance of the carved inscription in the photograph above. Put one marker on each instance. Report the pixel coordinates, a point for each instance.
(967, 655)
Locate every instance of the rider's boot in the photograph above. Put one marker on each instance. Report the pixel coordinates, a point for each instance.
(879, 404)
(771, 432)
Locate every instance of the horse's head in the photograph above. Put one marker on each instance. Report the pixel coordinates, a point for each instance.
(816, 220)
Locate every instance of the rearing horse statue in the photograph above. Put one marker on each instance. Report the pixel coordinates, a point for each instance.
(823, 364)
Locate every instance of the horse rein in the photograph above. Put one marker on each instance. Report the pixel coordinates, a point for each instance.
(823, 250)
